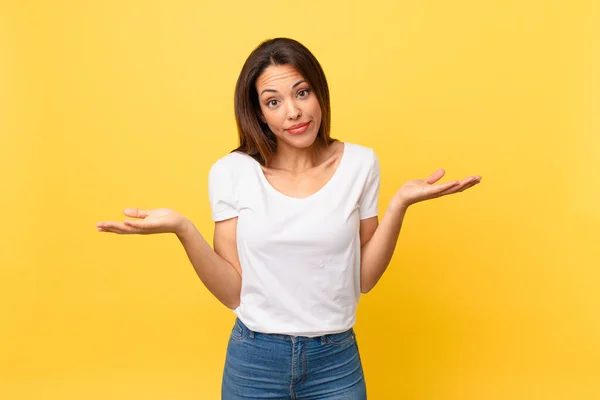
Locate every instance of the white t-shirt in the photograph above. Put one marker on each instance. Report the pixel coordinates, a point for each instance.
(300, 257)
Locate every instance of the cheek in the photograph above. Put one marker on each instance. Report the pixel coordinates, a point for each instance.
(272, 118)
(316, 109)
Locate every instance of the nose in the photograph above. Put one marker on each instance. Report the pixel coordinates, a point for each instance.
(293, 111)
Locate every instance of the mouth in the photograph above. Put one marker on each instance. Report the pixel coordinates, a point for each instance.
(298, 128)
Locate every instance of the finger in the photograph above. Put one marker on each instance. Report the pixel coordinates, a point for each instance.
(469, 185)
(135, 212)
(116, 227)
(140, 224)
(464, 185)
(470, 182)
(441, 187)
(111, 230)
(436, 176)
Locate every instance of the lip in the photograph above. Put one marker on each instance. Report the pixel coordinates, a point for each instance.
(298, 128)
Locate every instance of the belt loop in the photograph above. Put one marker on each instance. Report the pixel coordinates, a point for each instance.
(323, 339)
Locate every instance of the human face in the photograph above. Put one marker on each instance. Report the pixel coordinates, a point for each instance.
(288, 106)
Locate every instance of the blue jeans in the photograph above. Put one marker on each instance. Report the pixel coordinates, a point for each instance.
(267, 366)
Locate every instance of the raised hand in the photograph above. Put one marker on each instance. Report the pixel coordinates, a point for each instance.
(424, 189)
(157, 220)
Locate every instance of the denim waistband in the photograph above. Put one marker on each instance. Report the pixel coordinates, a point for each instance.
(245, 331)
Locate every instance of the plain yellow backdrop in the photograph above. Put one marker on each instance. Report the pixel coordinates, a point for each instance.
(492, 294)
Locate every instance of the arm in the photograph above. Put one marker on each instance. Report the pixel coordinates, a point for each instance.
(378, 241)
(218, 269)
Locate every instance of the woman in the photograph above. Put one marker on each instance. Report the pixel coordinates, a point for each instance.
(296, 239)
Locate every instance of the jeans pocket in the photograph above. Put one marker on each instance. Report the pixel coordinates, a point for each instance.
(339, 339)
(238, 332)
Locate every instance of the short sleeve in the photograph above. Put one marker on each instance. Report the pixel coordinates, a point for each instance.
(221, 192)
(370, 196)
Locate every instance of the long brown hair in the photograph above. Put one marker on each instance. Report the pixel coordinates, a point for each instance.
(256, 139)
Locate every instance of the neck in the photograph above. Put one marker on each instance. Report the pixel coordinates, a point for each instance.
(293, 159)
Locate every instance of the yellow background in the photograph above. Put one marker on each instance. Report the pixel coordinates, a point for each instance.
(492, 294)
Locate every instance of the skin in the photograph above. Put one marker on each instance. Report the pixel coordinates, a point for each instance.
(298, 169)
(286, 99)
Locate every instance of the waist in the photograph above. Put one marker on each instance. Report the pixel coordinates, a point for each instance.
(324, 337)
(309, 319)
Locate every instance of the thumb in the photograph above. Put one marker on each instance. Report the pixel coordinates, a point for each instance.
(135, 213)
(436, 176)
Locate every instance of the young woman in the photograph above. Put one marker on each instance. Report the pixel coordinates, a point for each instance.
(297, 237)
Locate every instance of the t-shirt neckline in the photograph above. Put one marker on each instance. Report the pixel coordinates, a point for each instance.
(315, 194)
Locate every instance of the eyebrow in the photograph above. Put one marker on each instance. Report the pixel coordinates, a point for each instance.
(275, 91)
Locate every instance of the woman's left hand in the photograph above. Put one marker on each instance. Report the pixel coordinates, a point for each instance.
(424, 189)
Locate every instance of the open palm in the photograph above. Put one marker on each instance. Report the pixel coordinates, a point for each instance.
(418, 190)
(157, 220)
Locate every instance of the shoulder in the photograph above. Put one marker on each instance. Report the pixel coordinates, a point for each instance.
(231, 164)
(363, 156)
(234, 159)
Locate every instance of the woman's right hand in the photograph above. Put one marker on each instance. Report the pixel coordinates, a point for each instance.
(157, 220)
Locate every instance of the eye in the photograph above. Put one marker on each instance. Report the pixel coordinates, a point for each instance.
(272, 103)
(303, 93)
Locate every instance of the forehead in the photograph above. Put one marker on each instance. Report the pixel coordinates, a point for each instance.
(278, 75)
